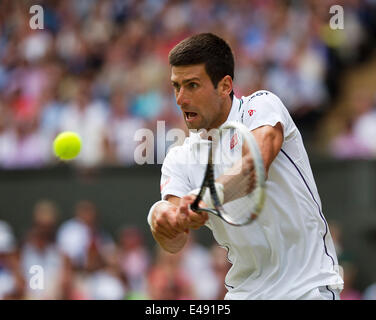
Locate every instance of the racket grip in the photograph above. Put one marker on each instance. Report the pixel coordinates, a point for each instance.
(194, 205)
(207, 198)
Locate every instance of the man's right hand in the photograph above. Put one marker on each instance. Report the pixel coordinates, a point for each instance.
(174, 218)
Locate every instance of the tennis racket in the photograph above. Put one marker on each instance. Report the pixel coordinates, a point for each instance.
(234, 181)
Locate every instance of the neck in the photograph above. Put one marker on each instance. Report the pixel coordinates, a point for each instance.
(226, 108)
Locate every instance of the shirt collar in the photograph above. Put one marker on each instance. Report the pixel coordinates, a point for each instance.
(234, 109)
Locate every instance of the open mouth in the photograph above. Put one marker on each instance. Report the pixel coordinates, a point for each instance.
(190, 116)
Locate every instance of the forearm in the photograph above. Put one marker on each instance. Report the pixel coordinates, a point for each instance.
(171, 241)
(171, 245)
(270, 141)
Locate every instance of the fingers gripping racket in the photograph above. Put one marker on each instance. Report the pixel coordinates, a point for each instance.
(234, 168)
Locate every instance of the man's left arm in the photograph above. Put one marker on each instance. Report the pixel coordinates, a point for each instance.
(269, 140)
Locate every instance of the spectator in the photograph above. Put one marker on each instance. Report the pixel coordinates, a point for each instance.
(197, 265)
(120, 131)
(12, 283)
(365, 127)
(24, 145)
(134, 259)
(40, 250)
(347, 144)
(104, 283)
(167, 280)
(82, 240)
(354, 141)
(87, 118)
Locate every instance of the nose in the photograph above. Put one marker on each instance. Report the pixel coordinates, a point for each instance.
(181, 98)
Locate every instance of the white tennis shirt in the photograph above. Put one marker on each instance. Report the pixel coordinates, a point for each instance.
(288, 250)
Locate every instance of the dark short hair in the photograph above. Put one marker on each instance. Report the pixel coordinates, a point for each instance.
(206, 48)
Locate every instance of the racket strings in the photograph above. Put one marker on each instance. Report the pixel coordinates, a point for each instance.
(236, 171)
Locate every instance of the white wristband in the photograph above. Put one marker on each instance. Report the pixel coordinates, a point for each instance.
(151, 212)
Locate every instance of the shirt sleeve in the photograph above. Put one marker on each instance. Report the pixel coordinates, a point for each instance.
(265, 108)
(174, 178)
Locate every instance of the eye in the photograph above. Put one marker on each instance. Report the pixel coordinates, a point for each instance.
(176, 87)
(193, 85)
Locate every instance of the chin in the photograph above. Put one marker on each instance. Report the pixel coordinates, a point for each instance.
(190, 125)
(193, 126)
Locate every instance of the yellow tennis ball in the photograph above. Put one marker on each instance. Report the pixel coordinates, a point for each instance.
(67, 145)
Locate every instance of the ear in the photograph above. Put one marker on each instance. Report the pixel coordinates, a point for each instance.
(225, 86)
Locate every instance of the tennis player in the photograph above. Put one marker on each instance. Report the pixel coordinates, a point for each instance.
(288, 252)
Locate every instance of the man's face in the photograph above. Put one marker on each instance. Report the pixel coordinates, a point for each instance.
(199, 101)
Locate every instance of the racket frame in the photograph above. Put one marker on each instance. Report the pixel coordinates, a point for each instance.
(209, 181)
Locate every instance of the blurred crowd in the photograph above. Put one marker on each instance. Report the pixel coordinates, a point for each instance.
(76, 259)
(354, 140)
(99, 67)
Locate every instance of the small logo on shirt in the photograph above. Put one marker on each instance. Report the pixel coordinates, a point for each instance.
(165, 183)
(234, 141)
(251, 111)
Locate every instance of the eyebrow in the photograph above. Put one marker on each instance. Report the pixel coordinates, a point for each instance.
(186, 80)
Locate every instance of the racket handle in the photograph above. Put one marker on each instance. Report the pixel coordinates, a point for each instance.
(194, 205)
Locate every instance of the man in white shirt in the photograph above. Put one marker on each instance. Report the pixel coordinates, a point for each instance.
(288, 252)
